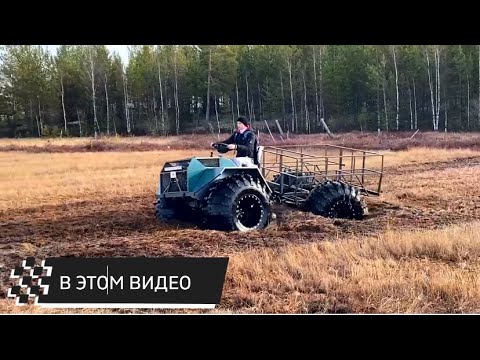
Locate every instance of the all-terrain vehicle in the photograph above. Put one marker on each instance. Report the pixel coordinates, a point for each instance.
(327, 180)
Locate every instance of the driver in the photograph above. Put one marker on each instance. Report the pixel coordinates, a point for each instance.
(243, 141)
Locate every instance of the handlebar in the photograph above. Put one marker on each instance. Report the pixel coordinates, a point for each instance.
(222, 148)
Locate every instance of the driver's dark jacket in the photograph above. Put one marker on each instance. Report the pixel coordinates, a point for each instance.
(245, 142)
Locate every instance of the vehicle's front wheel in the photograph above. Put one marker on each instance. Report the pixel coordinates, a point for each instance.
(238, 203)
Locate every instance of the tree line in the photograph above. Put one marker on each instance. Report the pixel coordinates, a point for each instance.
(173, 89)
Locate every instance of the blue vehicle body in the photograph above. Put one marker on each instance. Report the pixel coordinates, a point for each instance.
(191, 179)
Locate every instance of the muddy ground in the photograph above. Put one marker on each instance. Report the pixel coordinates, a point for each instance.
(128, 227)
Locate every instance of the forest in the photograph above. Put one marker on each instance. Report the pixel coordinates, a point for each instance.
(85, 90)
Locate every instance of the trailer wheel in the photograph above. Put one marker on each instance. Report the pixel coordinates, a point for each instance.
(336, 199)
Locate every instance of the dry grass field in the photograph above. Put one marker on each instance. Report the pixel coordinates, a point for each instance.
(417, 251)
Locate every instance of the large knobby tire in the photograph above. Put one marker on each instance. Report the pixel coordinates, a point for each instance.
(238, 203)
(336, 199)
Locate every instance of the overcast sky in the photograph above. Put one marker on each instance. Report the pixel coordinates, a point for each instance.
(122, 50)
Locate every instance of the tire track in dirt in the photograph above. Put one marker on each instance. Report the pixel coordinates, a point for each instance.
(93, 228)
(473, 161)
(147, 237)
(72, 221)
